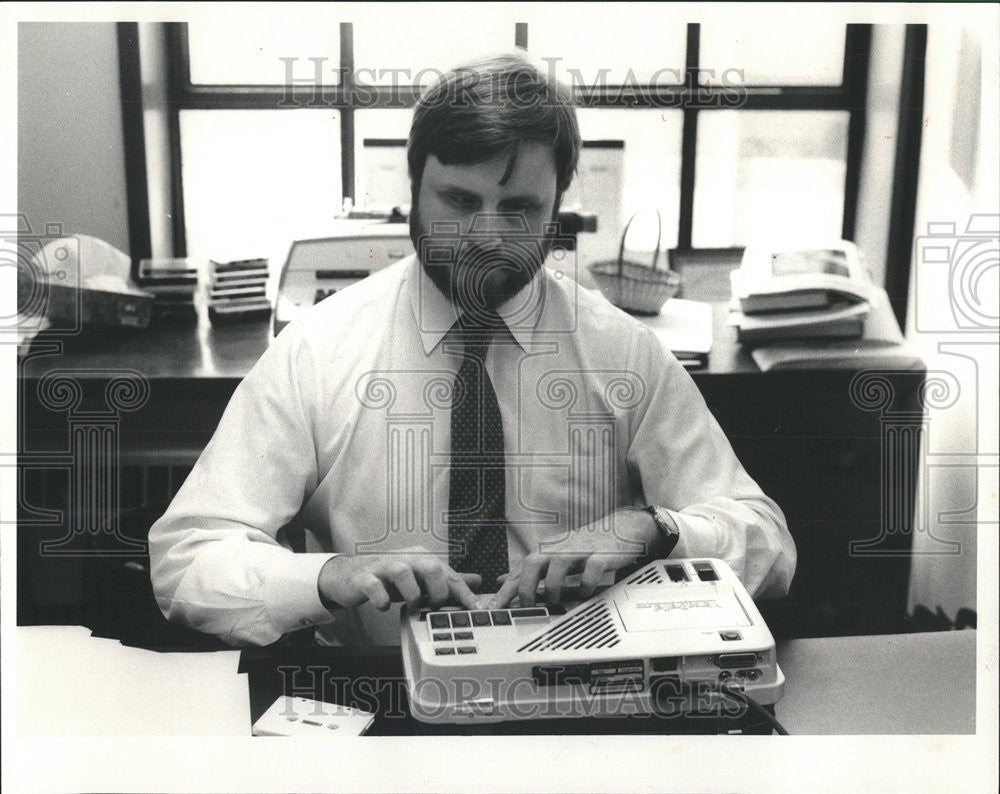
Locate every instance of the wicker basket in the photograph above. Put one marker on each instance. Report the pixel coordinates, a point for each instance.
(633, 287)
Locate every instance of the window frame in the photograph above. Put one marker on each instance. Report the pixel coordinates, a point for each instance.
(691, 97)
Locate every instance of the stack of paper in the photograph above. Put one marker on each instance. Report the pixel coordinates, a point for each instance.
(881, 345)
(800, 293)
(237, 290)
(173, 282)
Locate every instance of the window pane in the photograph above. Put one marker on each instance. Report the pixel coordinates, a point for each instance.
(254, 180)
(648, 41)
(402, 47)
(615, 183)
(766, 175)
(808, 51)
(248, 52)
(381, 179)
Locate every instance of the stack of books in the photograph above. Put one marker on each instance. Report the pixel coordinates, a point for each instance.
(800, 293)
(173, 283)
(237, 290)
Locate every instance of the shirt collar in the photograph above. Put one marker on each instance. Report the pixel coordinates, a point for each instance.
(435, 315)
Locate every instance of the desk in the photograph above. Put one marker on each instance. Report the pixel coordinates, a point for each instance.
(899, 684)
(895, 684)
(817, 452)
(70, 684)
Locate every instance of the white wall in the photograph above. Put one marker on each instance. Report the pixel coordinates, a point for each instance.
(153, 54)
(881, 128)
(71, 161)
(955, 328)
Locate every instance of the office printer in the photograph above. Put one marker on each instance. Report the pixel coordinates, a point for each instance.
(675, 637)
(317, 268)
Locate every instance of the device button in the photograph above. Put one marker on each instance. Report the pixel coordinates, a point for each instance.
(529, 612)
(480, 618)
(466, 649)
(730, 635)
(442, 637)
(439, 620)
(463, 635)
(444, 651)
(676, 573)
(460, 619)
(501, 617)
(706, 572)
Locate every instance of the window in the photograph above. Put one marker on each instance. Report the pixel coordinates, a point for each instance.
(606, 45)
(668, 120)
(381, 179)
(769, 175)
(413, 49)
(246, 52)
(256, 179)
(643, 175)
(801, 53)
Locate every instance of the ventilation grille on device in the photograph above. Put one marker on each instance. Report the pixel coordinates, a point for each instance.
(650, 575)
(592, 628)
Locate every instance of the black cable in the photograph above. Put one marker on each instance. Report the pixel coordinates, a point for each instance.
(755, 707)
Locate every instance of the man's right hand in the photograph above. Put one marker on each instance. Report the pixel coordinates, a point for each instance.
(349, 581)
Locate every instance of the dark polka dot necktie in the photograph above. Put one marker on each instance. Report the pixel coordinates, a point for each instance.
(477, 524)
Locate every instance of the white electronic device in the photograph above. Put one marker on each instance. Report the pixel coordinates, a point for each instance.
(673, 637)
(317, 268)
(295, 716)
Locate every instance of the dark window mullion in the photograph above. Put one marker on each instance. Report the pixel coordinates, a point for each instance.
(857, 55)
(906, 172)
(136, 184)
(689, 141)
(521, 35)
(293, 97)
(347, 171)
(656, 97)
(178, 80)
(707, 98)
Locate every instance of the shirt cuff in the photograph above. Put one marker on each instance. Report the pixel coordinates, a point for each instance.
(291, 593)
(698, 536)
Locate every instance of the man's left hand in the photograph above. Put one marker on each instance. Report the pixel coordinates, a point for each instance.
(593, 550)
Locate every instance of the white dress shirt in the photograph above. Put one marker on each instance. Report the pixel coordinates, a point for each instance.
(342, 429)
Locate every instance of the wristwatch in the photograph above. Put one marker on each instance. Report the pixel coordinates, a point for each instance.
(668, 529)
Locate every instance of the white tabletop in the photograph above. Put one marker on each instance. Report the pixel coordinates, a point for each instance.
(70, 684)
(880, 685)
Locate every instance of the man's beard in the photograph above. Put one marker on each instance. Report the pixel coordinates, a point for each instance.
(474, 276)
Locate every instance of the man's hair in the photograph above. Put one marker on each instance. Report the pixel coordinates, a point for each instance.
(487, 108)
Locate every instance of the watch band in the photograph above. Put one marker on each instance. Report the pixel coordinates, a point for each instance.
(667, 528)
